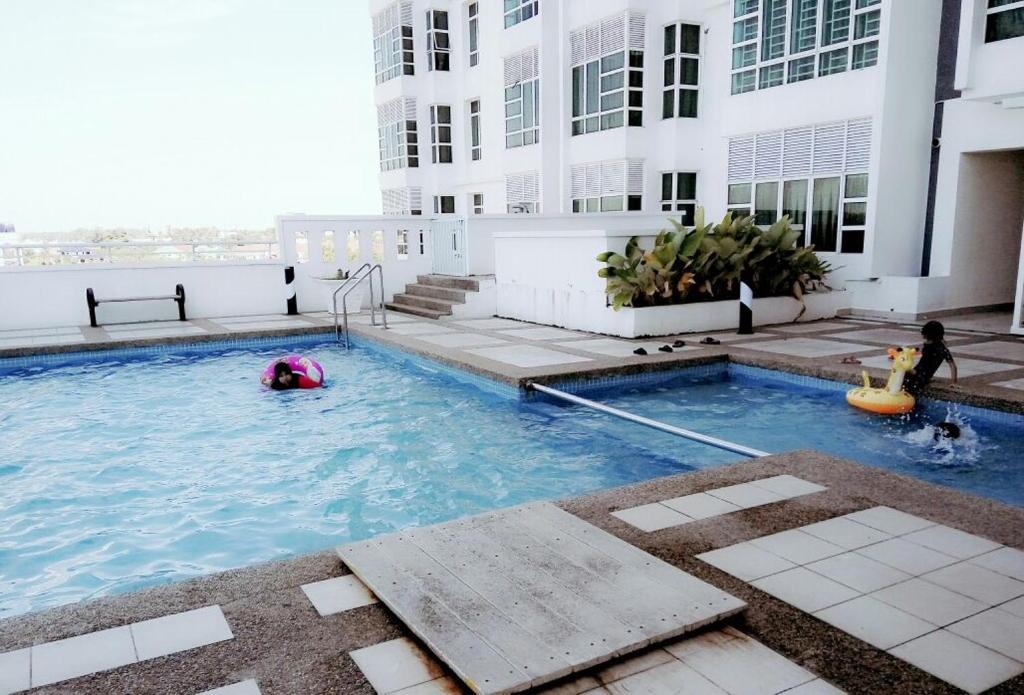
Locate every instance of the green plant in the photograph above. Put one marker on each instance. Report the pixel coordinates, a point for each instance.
(706, 262)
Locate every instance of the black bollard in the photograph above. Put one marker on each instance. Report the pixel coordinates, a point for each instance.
(289, 284)
(746, 306)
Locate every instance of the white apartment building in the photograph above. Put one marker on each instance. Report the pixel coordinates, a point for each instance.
(890, 131)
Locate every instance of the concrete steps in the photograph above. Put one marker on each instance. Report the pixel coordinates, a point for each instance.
(433, 296)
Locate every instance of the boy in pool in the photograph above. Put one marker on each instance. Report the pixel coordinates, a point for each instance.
(933, 354)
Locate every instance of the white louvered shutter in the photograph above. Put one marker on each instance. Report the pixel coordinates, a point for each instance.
(741, 158)
(858, 145)
(768, 155)
(798, 144)
(829, 148)
(635, 177)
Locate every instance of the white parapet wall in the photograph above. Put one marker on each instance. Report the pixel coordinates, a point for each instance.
(49, 296)
(551, 278)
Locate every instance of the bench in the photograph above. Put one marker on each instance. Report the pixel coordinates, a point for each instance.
(178, 296)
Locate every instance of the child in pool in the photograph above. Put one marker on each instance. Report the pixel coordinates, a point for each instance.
(933, 354)
(284, 378)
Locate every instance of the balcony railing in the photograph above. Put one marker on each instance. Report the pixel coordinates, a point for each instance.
(128, 252)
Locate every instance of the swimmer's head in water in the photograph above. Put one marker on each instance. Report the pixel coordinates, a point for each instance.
(947, 430)
(284, 377)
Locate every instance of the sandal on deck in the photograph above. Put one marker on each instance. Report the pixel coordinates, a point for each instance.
(679, 344)
(665, 348)
(850, 360)
(708, 340)
(640, 351)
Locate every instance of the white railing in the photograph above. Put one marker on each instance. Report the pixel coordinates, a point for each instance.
(109, 252)
(451, 251)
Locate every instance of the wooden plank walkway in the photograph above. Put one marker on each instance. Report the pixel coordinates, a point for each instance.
(523, 596)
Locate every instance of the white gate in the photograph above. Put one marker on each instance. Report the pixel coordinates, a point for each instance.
(451, 252)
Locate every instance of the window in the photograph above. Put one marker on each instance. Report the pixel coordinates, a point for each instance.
(608, 74)
(392, 42)
(682, 71)
(517, 11)
(402, 201)
(477, 203)
(612, 186)
(377, 246)
(1004, 20)
(785, 41)
(474, 34)
(327, 247)
(475, 147)
(438, 43)
(441, 134)
(398, 141)
(817, 169)
(352, 245)
(402, 243)
(679, 193)
(522, 192)
(302, 247)
(444, 205)
(522, 100)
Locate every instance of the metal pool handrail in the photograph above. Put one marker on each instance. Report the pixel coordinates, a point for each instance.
(647, 422)
(350, 284)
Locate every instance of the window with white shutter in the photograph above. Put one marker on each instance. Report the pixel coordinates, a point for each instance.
(607, 73)
(392, 42)
(611, 186)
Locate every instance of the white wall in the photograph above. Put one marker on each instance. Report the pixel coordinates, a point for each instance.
(55, 296)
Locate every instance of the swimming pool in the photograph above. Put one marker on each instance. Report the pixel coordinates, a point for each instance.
(126, 470)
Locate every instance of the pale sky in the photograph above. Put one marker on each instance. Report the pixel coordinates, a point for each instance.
(149, 113)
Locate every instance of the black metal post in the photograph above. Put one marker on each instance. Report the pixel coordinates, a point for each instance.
(90, 300)
(289, 283)
(746, 305)
(179, 290)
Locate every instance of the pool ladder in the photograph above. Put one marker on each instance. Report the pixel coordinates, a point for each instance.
(363, 273)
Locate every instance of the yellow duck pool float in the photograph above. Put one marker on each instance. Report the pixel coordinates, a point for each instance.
(891, 400)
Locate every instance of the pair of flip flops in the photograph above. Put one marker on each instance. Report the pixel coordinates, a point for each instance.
(663, 348)
(850, 360)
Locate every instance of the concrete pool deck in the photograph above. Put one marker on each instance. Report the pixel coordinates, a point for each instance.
(282, 642)
(512, 352)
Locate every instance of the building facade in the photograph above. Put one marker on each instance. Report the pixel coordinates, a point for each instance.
(890, 131)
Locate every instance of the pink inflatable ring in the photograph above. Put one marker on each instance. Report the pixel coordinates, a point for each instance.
(308, 371)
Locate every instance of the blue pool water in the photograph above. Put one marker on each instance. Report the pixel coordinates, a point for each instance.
(123, 472)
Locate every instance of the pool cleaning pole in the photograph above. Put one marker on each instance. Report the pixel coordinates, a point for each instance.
(647, 422)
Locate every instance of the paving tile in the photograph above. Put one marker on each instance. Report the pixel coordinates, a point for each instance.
(937, 605)
(845, 533)
(1008, 562)
(181, 631)
(804, 589)
(745, 561)
(618, 348)
(812, 327)
(580, 684)
(890, 520)
(875, 622)
(815, 687)
(438, 686)
(527, 356)
(858, 572)
(462, 340)
(492, 324)
(797, 546)
(746, 495)
(148, 325)
(269, 325)
(420, 328)
(223, 320)
(739, 664)
(1016, 607)
(248, 687)
(670, 678)
(958, 661)
(977, 582)
(14, 671)
(338, 594)
(996, 629)
(999, 350)
(808, 347)
(701, 505)
(900, 337)
(365, 318)
(58, 661)
(952, 541)
(542, 333)
(396, 664)
(789, 485)
(1016, 384)
(908, 557)
(651, 517)
(633, 665)
(964, 366)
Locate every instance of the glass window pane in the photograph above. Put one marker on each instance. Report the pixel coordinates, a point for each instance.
(744, 30)
(744, 56)
(577, 91)
(688, 68)
(801, 69)
(636, 59)
(865, 55)
(772, 75)
(803, 25)
(593, 80)
(612, 203)
(867, 24)
(857, 186)
(739, 194)
(825, 214)
(773, 18)
(743, 81)
(1008, 24)
(794, 202)
(687, 103)
(689, 39)
(853, 241)
(742, 7)
(670, 39)
(593, 204)
(686, 186)
(610, 102)
(835, 22)
(687, 213)
(832, 62)
(855, 214)
(613, 81)
(668, 104)
(866, 3)
(634, 203)
(613, 62)
(666, 186)
(670, 72)
(766, 201)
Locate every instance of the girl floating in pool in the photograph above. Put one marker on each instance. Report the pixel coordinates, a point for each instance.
(293, 372)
